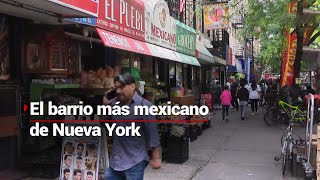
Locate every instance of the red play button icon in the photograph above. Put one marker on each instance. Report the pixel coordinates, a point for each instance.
(25, 107)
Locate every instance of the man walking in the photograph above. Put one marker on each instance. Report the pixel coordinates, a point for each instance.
(129, 156)
(234, 94)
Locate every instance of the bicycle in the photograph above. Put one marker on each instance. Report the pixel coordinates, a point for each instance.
(283, 112)
(295, 114)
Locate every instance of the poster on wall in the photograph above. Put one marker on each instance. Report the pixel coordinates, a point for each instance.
(125, 17)
(80, 158)
(160, 27)
(4, 47)
(216, 16)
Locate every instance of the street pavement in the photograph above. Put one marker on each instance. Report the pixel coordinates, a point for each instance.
(237, 150)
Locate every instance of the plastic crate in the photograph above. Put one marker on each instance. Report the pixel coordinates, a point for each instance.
(178, 149)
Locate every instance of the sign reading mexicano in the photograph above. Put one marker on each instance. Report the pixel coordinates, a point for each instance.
(160, 27)
(186, 39)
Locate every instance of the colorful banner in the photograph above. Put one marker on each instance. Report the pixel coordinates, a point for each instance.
(118, 41)
(125, 17)
(216, 16)
(86, 6)
(186, 39)
(160, 26)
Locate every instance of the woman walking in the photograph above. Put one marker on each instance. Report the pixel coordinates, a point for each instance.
(254, 96)
(243, 95)
(225, 99)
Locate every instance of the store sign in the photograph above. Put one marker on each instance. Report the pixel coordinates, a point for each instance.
(186, 39)
(86, 6)
(124, 17)
(160, 26)
(87, 21)
(216, 16)
(114, 40)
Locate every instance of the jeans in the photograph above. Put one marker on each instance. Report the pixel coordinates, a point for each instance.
(243, 105)
(134, 173)
(225, 111)
(254, 105)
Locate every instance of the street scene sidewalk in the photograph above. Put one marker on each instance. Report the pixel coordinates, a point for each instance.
(239, 150)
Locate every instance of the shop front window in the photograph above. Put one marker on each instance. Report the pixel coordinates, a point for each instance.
(179, 75)
(172, 74)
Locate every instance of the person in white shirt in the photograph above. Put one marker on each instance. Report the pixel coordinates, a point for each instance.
(254, 96)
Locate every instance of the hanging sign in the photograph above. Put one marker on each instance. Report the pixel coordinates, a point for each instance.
(125, 17)
(160, 26)
(186, 39)
(216, 16)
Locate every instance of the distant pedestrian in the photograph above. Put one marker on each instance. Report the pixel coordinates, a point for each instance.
(243, 95)
(234, 94)
(254, 96)
(225, 98)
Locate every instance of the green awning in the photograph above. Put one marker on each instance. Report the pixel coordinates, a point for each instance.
(187, 59)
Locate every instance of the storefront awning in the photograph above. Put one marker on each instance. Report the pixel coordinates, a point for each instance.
(203, 54)
(163, 53)
(118, 41)
(205, 57)
(49, 11)
(187, 59)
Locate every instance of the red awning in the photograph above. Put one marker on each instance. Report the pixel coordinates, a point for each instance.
(114, 40)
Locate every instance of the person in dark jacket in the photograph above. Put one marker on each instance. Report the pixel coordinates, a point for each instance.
(243, 95)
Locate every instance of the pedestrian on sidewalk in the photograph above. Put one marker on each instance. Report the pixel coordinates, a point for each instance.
(254, 96)
(234, 94)
(243, 95)
(225, 99)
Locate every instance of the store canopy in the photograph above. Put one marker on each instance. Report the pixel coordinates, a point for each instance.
(205, 57)
(203, 54)
(187, 59)
(163, 53)
(49, 11)
(237, 68)
(118, 41)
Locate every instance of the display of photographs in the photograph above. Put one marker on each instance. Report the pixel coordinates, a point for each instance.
(79, 162)
(89, 175)
(79, 149)
(68, 147)
(77, 174)
(79, 159)
(67, 161)
(66, 174)
(91, 163)
(91, 149)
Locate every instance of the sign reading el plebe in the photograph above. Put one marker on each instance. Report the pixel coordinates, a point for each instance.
(121, 42)
(124, 17)
(86, 6)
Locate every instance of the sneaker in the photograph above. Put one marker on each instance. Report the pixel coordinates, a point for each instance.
(227, 119)
(252, 114)
(242, 118)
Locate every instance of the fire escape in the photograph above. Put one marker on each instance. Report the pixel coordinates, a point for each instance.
(220, 40)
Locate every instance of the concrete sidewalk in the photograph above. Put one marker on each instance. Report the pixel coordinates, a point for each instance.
(238, 150)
